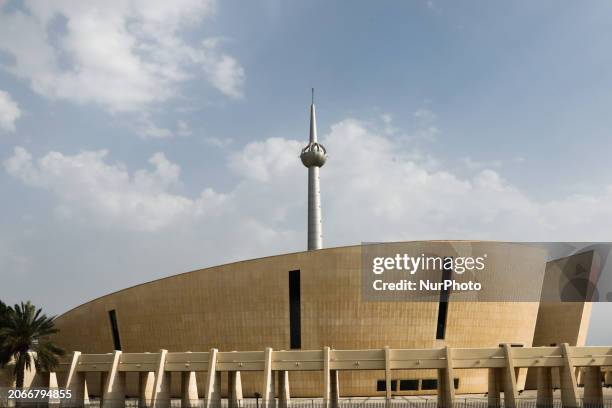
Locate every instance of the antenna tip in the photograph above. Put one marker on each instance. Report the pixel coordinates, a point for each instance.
(312, 95)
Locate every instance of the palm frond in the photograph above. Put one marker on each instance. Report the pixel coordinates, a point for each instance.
(25, 329)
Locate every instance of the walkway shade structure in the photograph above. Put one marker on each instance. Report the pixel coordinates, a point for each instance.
(502, 364)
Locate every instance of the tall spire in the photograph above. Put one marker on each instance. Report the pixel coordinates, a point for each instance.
(314, 156)
(313, 121)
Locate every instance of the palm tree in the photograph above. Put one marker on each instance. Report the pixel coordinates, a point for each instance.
(3, 311)
(24, 332)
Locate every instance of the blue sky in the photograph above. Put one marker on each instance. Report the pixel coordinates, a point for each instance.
(144, 138)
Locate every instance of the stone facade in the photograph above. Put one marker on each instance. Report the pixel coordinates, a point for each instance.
(246, 306)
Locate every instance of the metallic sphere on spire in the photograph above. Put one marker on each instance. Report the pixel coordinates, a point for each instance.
(313, 155)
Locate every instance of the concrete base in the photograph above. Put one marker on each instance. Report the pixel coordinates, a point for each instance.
(593, 392)
(189, 390)
(545, 387)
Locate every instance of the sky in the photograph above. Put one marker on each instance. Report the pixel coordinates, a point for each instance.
(139, 139)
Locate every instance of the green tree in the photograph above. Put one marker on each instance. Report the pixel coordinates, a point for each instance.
(3, 311)
(24, 333)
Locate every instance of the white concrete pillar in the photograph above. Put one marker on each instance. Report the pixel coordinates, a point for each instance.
(52, 384)
(43, 379)
(284, 395)
(388, 374)
(510, 391)
(189, 390)
(544, 397)
(268, 399)
(567, 379)
(495, 387)
(85, 391)
(326, 374)
(579, 373)
(446, 383)
(161, 389)
(556, 378)
(113, 388)
(75, 382)
(212, 393)
(37, 378)
(234, 389)
(593, 391)
(162, 399)
(521, 378)
(146, 387)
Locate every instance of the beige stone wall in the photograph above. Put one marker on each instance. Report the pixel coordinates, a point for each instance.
(245, 306)
(562, 322)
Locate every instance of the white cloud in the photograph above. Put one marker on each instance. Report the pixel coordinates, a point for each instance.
(369, 177)
(146, 128)
(373, 189)
(121, 54)
(263, 161)
(9, 112)
(387, 120)
(424, 114)
(89, 188)
(222, 70)
(427, 128)
(218, 142)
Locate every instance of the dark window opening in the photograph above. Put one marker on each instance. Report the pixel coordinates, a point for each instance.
(456, 383)
(409, 385)
(295, 324)
(443, 304)
(381, 385)
(114, 329)
(429, 384)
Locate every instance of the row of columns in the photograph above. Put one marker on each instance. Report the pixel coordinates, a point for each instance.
(154, 387)
(504, 379)
(331, 389)
(446, 383)
(593, 384)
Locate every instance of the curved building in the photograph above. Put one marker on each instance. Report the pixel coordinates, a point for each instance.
(308, 300)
